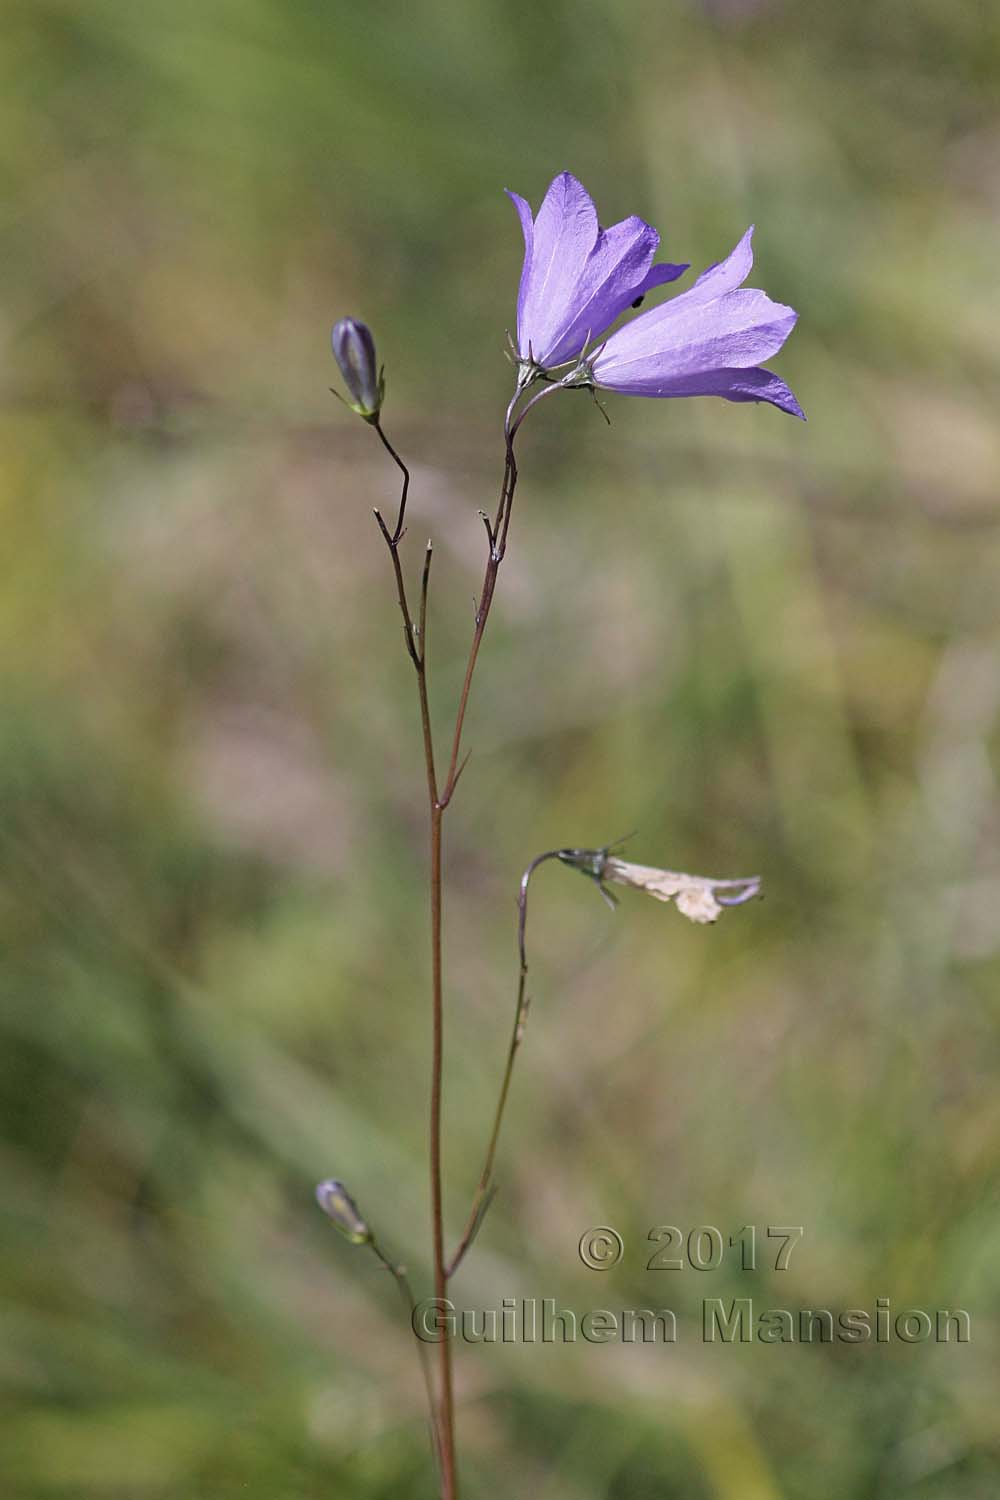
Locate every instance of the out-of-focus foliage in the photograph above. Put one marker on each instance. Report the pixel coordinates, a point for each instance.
(765, 646)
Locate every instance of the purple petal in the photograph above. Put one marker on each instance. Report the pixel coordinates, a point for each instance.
(659, 276)
(684, 337)
(565, 232)
(528, 230)
(732, 385)
(608, 283)
(760, 385)
(727, 274)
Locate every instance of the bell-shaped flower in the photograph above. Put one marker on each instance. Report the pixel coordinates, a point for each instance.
(577, 277)
(708, 341)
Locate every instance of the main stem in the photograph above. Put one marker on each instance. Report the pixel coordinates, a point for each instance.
(446, 1411)
(415, 633)
(415, 637)
(497, 535)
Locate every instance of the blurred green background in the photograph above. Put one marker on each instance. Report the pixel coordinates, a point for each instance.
(764, 646)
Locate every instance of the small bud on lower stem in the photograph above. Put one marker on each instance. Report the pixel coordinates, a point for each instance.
(354, 351)
(338, 1205)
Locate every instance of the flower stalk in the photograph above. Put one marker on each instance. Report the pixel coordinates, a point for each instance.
(439, 798)
(577, 280)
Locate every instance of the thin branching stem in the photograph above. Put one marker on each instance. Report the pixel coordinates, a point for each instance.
(443, 1409)
(392, 540)
(498, 547)
(400, 516)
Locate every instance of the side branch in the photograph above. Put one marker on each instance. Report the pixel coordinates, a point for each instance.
(409, 630)
(497, 535)
(398, 1273)
(398, 532)
(392, 541)
(485, 1188)
(414, 632)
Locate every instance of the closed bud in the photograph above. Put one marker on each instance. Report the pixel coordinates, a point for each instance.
(338, 1205)
(354, 351)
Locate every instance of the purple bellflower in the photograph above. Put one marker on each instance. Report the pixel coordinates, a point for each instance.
(709, 341)
(577, 277)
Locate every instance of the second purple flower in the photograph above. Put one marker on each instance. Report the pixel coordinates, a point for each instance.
(708, 341)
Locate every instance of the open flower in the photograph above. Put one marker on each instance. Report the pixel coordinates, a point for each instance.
(577, 277)
(709, 341)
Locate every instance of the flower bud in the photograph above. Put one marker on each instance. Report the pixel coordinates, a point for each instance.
(338, 1205)
(354, 351)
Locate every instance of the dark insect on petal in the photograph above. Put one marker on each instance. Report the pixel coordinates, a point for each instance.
(639, 300)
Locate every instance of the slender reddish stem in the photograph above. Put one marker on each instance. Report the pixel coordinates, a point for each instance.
(498, 546)
(442, 1414)
(438, 799)
(449, 1488)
